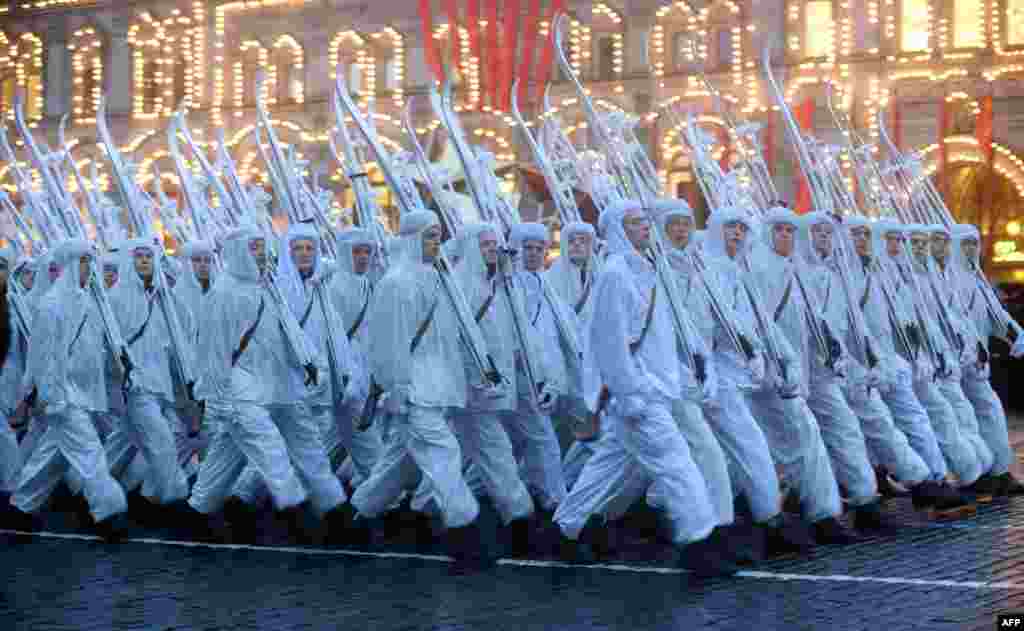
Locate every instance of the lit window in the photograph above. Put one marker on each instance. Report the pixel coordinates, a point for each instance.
(967, 28)
(819, 28)
(33, 91)
(355, 78)
(1015, 22)
(8, 87)
(391, 81)
(914, 25)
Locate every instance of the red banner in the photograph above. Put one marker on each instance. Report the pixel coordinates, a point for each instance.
(983, 127)
(451, 7)
(429, 48)
(529, 43)
(804, 114)
(548, 48)
(473, 26)
(511, 18)
(491, 67)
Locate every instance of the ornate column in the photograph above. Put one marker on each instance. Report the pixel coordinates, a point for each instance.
(56, 69)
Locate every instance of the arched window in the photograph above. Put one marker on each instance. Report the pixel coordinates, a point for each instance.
(915, 25)
(252, 59)
(86, 48)
(606, 58)
(287, 71)
(819, 29)
(21, 68)
(968, 28)
(1015, 22)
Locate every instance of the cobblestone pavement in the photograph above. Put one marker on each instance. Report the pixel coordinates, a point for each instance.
(919, 576)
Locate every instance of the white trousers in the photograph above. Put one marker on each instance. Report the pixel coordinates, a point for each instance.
(146, 430)
(958, 451)
(629, 449)
(421, 443)
(911, 418)
(575, 459)
(535, 446)
(247, 434)
(845, 437)
(69, 445)
(991, 422)
(799, 449)
(302, 437)
(363, 447)
(968, 421)
(886, 444)
(751, 467)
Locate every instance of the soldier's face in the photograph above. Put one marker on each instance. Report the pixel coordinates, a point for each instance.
(783, 237)
(258, 249)
(201, 264)
(431, 243)
(489, 247)
(303, 255)
(580, 247)
(970, 249)
(638, 230)
(84, 270)
(894, 243)
(143, 258)
(678, 231)
(821, 239)
(533, 255)
(861, 236)
(940, 246)
(361, 258)
(734, 233)
(919, 245)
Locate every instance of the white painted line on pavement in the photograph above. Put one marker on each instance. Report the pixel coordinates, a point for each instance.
(640, 569)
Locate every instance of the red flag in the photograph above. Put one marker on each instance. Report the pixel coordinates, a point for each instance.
(529, 43)
(455, 37)
(429, 50)
(473, 26)
(805, 119)
(548, 48)
(983, 127)
(511, 18)
(493, 60)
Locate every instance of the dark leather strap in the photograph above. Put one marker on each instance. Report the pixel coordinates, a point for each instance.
(648, 319)
(78, 334)
(142, 329)
(867, 293)
(247, 336)
(362, 314)
(785, 299)
(587, 286)
(482, 311)
(422, 330)
(305, 316)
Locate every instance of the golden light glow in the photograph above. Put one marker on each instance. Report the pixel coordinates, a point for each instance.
(915, 25)
(819, 28)
(1013, 228)
(86, 48)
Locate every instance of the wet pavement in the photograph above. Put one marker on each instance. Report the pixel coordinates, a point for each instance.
(919, 575)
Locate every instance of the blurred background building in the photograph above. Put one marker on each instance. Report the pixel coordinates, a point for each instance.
(945, 72)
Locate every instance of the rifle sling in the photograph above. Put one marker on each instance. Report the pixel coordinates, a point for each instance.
(586, 294)
(785, 299)
(359, 319)
(482, 311)
(648, 319)
(247, 336)
(309, 310)
(422, 330)
(142, 329)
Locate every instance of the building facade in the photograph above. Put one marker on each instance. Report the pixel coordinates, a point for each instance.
(945, 73)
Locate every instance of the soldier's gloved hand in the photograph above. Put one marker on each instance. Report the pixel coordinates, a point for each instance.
(756, 367)
(312, 375)
(709, 389)
(548, 396)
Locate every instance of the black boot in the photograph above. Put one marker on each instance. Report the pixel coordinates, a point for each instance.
(942, 501)
(1010, 486)
(886, 488)
(467, 546)
(114, 528)
(784, 535)
(304, 527)
(243, 520)
(200, 527)
(517, 537)
(708, 558)
(868, 518)
(590, 547)
(831, 531)
(341, 529)
(984, 488)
